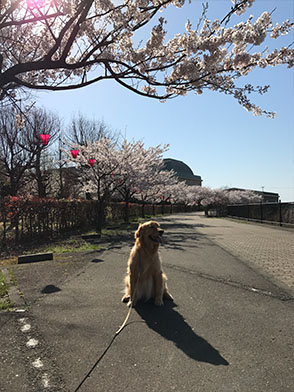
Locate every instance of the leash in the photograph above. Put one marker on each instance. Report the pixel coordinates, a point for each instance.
(126, 319)
(131, 306)
(96, 363)
(105, 351)
(107, 348)
(124, 324)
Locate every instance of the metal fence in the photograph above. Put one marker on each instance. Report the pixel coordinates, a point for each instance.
(276, 213)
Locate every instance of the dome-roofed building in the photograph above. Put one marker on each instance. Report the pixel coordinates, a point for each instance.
(182, 171)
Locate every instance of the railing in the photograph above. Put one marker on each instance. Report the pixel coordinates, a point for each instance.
(28, 219)
(276, 213)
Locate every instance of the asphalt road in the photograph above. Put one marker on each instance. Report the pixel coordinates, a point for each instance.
(229, 330)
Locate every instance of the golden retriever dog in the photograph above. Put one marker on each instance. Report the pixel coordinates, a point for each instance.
(145, 279)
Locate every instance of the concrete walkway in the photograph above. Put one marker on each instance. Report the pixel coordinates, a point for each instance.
(230, 328)
(269, 249)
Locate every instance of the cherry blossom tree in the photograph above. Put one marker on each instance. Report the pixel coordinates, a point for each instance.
(216, 199)
(242, 196)
(139, 171)
(158, 185)
(96, 163)
(81, 131)
(197, 194)
(220, 198)
(174, 192)
(109, 170)
(65, 44)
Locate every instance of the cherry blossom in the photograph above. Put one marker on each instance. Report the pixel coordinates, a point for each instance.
(212, 198)
(139, 173)
(62, 45)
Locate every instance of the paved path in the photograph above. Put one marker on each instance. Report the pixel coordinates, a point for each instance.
(270, 249)
(229, 330)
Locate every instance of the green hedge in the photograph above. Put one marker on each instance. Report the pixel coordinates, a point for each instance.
(26, 218)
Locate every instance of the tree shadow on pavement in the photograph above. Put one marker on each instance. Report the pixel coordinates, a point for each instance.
(171, 325)
(181, 240)
(179, 236)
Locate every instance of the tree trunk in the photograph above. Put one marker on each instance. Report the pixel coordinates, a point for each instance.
(61, 187)
(13, 186)
(100, 215)
(126, 214)
(40, 182)
(143, 210)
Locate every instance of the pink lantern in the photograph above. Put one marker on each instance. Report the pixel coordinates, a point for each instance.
(92, 161)
(74, 153)
(45, 138)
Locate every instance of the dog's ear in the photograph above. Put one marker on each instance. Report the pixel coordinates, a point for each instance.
(138, 232)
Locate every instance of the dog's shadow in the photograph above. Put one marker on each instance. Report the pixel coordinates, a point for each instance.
(170, 324)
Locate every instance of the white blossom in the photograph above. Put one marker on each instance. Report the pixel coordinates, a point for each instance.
(62, 44)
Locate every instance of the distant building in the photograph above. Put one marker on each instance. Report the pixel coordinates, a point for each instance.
(267, 197)
(182, 171)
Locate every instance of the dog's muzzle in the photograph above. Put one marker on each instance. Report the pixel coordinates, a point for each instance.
(157, 238)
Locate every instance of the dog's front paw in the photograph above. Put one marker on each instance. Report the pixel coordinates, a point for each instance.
(125, 298)
(158, 302)
(168, 296)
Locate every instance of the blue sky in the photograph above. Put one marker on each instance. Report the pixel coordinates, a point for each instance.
(211, 133)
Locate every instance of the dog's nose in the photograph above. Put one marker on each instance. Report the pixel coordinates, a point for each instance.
(160, 231)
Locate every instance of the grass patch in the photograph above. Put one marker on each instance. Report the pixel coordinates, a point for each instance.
(75, 242)
(5, 303)
(109, 232)
(66, 248)
(8, 261)
(72, 245)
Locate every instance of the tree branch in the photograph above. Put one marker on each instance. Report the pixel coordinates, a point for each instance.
(32, 20)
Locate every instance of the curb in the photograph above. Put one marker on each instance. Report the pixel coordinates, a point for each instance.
(14, 295)
(34, 258)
